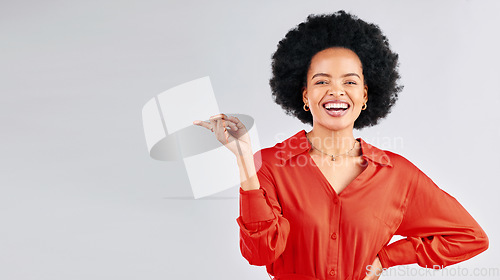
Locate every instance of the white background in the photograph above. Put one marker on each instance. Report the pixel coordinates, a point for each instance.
(81, 199)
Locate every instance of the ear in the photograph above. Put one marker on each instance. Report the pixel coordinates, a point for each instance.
(304, 94)
(365, 96)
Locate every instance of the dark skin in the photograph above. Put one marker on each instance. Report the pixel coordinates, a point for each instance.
(336, 74)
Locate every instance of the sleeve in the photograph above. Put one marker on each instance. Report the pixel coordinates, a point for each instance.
(438, 230)
(263, 229)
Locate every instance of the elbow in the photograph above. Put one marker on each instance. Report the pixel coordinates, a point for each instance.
(484, 242)
(480, 242)
(467, 246)
(266, 246)
(258, 256)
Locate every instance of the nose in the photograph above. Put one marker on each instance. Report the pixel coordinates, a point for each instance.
(337, 92)
(336, 89)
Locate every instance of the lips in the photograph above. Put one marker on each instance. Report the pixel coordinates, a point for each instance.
(336, 108)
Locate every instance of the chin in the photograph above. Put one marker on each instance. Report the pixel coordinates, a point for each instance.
(336, 125)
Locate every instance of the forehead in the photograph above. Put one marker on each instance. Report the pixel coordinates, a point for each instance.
(336, 60)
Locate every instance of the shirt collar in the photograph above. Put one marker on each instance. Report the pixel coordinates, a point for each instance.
(298, 144)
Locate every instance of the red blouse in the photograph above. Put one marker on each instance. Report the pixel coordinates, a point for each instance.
(300, 228)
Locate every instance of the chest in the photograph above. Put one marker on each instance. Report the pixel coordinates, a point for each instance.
(315, 194)
(341, 172)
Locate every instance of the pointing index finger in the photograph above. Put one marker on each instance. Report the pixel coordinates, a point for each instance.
(206, 125)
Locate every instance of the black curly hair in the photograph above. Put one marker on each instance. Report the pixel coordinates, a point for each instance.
(292, 59)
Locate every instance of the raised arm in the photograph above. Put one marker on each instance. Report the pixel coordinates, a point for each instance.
(263, 230)
(439, 231)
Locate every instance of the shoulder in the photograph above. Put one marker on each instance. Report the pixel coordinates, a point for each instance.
(281, 151)
(398, 160)
(402, 165)
(270, 155)
(385, 157)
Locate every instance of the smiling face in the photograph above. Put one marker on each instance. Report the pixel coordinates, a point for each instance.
(335, 89)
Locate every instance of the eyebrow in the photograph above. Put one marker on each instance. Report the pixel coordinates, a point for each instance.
(329, 76)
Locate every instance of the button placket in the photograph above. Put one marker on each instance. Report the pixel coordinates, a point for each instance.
(334, 242)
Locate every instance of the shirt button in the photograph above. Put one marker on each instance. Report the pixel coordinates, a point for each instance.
(332, 272)
(335, 200)
(334, 236)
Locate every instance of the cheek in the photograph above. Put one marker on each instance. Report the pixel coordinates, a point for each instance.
(314, 96)
(358, 97)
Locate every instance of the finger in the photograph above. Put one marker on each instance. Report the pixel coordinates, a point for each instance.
(235, 120)
(222, 131)
(206, 125)
(231, 125)
(218, 116)
(219, 131)
(229, 121)
(226, 123)
(226, 134)
(213, 125)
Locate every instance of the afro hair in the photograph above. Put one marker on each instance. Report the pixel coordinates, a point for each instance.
(292, 58)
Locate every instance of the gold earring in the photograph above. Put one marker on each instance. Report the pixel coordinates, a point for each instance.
(364, 106)
(305, 105)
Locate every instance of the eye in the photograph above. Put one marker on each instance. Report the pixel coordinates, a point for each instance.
(351, 83)
(321, 82)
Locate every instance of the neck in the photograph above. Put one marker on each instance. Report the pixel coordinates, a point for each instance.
(332, 142)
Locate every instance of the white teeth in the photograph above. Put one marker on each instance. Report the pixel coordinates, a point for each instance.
(336, 105)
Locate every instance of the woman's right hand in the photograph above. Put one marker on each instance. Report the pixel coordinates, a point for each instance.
(231, 132)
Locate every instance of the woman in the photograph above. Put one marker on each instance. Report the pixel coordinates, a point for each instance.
(323, 204)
